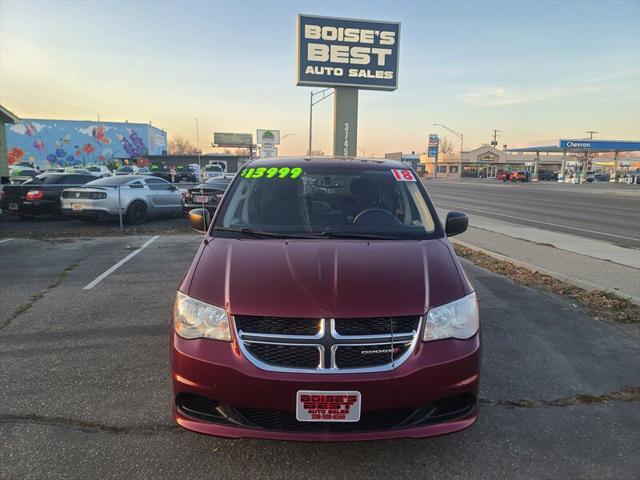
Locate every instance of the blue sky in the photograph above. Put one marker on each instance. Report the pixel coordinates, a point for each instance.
(536, 70)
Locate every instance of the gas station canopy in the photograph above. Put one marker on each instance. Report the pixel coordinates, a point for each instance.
(583, 146)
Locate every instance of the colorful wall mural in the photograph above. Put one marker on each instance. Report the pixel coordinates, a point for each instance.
(63, 143)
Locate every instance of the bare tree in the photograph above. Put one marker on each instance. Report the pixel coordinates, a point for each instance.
(182, 146)
(445, 146)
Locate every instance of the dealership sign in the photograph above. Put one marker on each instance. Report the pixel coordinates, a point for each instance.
(267, 137)
(344, 52)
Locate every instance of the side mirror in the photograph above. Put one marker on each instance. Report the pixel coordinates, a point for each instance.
(173, 188)
(199, 219)
(456, 223)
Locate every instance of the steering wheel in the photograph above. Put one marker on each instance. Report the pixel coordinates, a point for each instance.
(375, 217)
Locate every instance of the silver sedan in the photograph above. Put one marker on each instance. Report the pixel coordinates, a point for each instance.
(137, 197)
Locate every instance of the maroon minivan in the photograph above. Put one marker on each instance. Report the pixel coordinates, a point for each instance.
(325, 303)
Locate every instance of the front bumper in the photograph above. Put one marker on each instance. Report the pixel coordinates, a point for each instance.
(260, 404)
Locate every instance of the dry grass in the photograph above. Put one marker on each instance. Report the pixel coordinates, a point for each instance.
(598, 303)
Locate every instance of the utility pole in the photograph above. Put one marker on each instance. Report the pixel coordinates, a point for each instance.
(591, 132)
(325, 92)
(494, 144)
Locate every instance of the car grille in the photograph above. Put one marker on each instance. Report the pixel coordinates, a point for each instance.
(286, 421)
(327, 345)
(436, 411)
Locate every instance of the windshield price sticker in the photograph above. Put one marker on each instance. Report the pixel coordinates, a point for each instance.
(403, 175)
(271, 172)
(315, 406)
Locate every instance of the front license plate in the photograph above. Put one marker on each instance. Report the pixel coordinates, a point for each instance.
(323, 406)
(202, 199)
(13, 206)
(76, 206)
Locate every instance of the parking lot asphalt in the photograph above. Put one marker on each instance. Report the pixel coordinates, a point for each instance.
(85, 383)
(601, 211)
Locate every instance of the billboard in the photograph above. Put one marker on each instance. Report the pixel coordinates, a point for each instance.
(63, 143)
(232, 139)
(336, 52)
(268, 137)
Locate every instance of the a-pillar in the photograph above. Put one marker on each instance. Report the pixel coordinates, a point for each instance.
(614, 178)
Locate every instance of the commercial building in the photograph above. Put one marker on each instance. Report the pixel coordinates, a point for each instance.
(486, 161)
(61, 143)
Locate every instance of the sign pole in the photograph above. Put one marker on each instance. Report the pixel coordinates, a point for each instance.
(345, 122)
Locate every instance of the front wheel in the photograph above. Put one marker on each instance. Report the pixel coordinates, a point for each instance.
(136, 213)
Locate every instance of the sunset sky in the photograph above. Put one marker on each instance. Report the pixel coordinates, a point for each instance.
(538, 71)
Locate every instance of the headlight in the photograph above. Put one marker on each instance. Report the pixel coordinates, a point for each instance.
(195, 319)
(457, 319)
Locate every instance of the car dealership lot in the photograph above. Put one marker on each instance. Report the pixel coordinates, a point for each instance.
(85, 388)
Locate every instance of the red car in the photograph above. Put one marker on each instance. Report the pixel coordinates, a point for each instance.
(326, 303)
(503, 175)
(520, 176)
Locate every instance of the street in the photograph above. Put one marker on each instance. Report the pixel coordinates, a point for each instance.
(599, 211)
(85, 384)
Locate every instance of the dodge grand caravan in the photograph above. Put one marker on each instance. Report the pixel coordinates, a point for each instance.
(325, 303)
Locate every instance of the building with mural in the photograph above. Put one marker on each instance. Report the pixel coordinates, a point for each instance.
(63, 143)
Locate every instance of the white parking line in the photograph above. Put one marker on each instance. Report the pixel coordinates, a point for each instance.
(89, 286)
(6, 240)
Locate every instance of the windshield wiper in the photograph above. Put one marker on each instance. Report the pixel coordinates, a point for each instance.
(370, 236)
(257, 233)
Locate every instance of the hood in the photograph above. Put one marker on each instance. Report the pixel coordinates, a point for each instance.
(325, 278)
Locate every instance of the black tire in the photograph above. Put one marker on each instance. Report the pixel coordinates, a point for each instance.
(136, 213)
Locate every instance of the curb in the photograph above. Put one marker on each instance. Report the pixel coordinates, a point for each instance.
(576, 282)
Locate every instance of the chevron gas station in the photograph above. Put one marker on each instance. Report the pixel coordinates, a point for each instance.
(569, 159)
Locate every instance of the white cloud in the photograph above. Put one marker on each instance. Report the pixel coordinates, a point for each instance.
(496, 96)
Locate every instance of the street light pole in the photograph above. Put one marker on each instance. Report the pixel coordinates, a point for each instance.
(325, 95)
(461, 137)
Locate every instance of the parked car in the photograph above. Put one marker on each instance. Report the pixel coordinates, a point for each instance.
(590, 177)
(548, 175)
(325, 303)
(186, 173)
(602, 177)
(206, 195)
(213, 171)
(126, 170)
(40, 195)
(82, 170)
(20, 174)
(503, 175)
(99, 171)
(519, 176)
(160, 170)
(139, 198)
(144, 171)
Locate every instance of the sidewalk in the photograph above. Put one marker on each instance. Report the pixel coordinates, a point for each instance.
(575, 268)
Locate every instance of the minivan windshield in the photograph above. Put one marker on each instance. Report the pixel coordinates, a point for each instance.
(326, 201)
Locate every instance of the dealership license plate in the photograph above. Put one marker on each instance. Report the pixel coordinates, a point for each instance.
(202, 199)
(13, 206)
(76, 206)
(323, 406)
